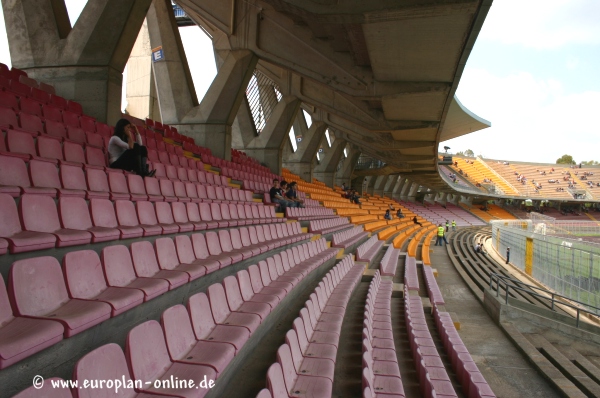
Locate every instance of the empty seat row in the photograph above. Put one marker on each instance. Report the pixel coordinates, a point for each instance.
(39, 223)
(389, 261)
(306, 362)
(433, 290)
(369, 249)
(472, 381)
(89, 289)
(258, 187)
(309, 213)
(411, 279)
(433, 377)
(196, 341)
(349, 237)
(329, 225)
(381, 374)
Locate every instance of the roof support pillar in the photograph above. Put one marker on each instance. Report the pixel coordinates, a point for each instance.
(325, 171)
(302, 161)
(344, 175)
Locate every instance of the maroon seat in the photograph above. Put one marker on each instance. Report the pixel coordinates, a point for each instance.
(14, 178)
(53, 128)
(196, 254)
(49, 148)
(21, 337)
(103, 215)
(237, 303)
(73, 153)
(75, 108)
(31, 106)
(72, 179)
(10, 229)
(95, 158)
(39, 214)
(136, 187)
(205, 327)
(223, 315)
(94, 139)
(153, 189)
(37, 289)
(9, 100)
(148, 359)
(147, 218)
(88, 123)
(8, 119)
(71, 119)
(119, 271)
(164, 215)
(146, 265)
(184, 347)
(97, 184)
(21, 144)
(75, 214)
(166, 190)
(118, 187)
(85, 281)
(302, 384)
(168, 260)
(76, 134)
(45, 176)
(180, 217)
(52, 113)
(40, 95)
(171, 172)
(106, 362)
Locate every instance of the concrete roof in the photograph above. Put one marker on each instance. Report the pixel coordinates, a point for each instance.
(384, 72)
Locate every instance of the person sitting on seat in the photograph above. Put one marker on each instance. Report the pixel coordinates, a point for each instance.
(277, 196)
(392, 207)
(399, 214)
(291, 195)
(387, 215)
(416, 221)
(125, 150)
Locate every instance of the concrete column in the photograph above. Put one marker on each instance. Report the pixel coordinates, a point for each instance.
(405, 190)
(387, 189)
(326, 170)
(268, 146)
(345, 173)
(379, 185)
(467, 200)
(266, 92)
(85, 62)
(243, 130)
(398, 188)
(142, 100)
(210, 121)
(450, 198)
(302, 162)
(412, 192)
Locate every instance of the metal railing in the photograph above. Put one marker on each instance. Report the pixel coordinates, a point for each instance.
(179, 13)
(367, 162)
(555, 299)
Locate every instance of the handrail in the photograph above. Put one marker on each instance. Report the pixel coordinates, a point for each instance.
(503, 280)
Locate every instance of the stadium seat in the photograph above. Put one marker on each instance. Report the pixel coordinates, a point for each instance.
(153, 189)
(193, 214)
(52, 113)
(45, 175)
(97, 183)
(73, 153)
(148, 359)
(76, 134)
(118, 187)
(74, 214)
(94, 139)
(146, 265)
(205, 327)
(49, 148)
(39, 214)
(184, 347)
(95, 158)
(70, 119)
(88, 124)
(103, 215)
(37, 288)
(20, 144)
(21, 337)
(119, 271)
(11, 230)
(9, 100)
(168, 260)
(40, 95)
(85, 281)
(196, 254)
(238, 304)
(72, 178)
(180, 217)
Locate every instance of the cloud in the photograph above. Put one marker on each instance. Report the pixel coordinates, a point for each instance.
(532, 118)
(543, 24)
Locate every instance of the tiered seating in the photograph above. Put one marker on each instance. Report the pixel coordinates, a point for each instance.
(306, 362)
(202, 339)
(389, 262)
(433, 290)
(381, 374)
(90, 289)
(328, 226)
(349, 237)
(403, 236)
(411, 280)
(472, 381)
(426, 247)
(308, 213)
(414, 242)
(368, 250)
(431, 372)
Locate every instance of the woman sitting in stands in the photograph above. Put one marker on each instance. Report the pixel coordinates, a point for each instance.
(387, 215)
(125, 150)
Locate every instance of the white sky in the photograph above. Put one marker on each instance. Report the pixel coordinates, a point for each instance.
(534, 73)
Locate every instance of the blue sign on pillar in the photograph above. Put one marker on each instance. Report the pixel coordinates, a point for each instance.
(157, 54)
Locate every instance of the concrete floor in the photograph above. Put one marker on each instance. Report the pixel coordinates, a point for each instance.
(506, 370)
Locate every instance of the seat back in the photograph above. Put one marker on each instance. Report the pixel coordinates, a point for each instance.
(179, 212)
(104, 363)
(126, 213)
(146, 351)
(118, 266)
(213, 243)
(76, 134)
(9, 218)
(276, 381)
(38, 213)
(13, 172)
(164, 214)
(135, 184)
(72, 177)
(74, 213)
(146, 213)
(218, 302)
(73, 152)
(43, 174)
(84, 274)
(103, 213)
(20, 142)
(144, 259)
(95, 156)
(49, 148)
(37, 286)
(201, 315)
(166, 253)
(117, 183)
(179, 334)
(200, 246)
(193, 213)
(96, 180)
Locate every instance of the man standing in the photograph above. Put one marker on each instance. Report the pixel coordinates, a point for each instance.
(447, 225)
(507, 255)
(453, 225)
(440, 235)
(277, 196)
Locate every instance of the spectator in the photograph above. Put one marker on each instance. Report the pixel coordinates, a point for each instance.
(276, 195)
(507, 255)
(292, 196)
(344, 187)
(125, 150)
(387, 215)
(440, 235)
(453, 225)
(416, 221)
(447, 225)
(392, 207)
(399, 214)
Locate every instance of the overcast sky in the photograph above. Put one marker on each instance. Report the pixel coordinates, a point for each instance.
(534, 73)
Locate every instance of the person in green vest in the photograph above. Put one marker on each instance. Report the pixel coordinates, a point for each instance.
(447, 225)
(453, 225)
(440, 235)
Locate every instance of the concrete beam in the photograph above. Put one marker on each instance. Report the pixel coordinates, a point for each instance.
(379, 184)
(326, 169)
(412, 192)
(303, 160)
(243, 130)
(405, 190)
(268, 146)
(345, 173)
(85, 62)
